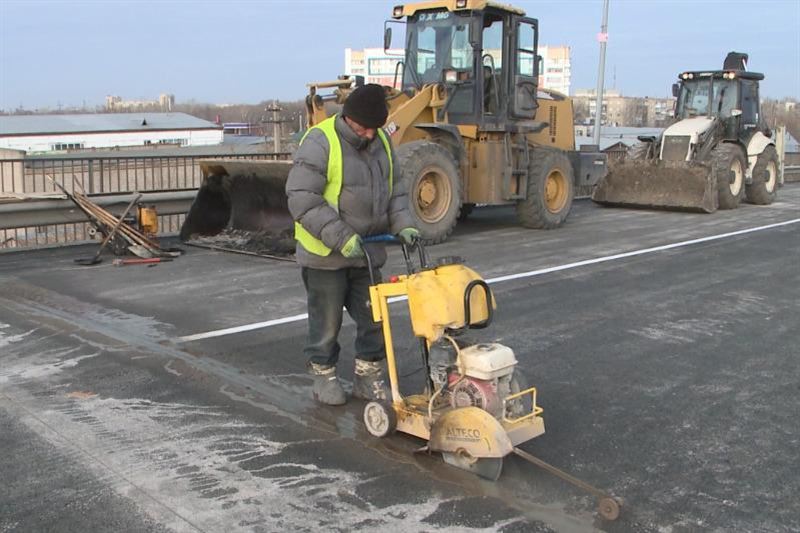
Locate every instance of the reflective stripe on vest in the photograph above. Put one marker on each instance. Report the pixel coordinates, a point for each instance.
(333, 187)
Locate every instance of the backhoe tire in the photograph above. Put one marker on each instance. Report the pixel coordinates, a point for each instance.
(434, 188)
(764, 188)
(551, 189)
(727, 157)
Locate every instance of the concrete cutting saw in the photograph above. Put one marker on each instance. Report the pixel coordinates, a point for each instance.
(476, 407)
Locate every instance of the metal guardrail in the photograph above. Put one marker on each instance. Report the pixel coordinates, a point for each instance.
(791, 173)
(99, 174)
(169, 181)
(53, 211)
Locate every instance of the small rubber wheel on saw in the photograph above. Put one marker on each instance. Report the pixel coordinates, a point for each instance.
(728, 163)
(551, 188)
(434, 188)
(764, 188)
(380, 419)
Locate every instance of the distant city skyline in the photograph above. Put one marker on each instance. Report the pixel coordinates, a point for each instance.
(75, 53)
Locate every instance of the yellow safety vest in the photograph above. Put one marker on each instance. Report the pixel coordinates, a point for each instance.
(333, 187)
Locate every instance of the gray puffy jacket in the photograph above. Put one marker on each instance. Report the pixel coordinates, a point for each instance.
(365, 207)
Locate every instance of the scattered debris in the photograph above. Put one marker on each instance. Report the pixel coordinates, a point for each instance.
(81, 395)
(140, 261)
(273, 245)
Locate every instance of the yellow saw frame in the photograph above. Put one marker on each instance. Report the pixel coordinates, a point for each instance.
(435, 305)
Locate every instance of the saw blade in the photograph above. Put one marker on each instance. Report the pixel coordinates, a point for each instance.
(485, 467)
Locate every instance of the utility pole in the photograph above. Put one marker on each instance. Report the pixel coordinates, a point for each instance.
(603, 38)
(275, 120)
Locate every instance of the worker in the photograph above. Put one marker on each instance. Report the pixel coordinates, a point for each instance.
(345, 185)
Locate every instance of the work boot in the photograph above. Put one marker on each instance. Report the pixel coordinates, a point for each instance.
(369, 383)
(327, 388)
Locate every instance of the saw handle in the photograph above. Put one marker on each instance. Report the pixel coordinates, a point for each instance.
(489, 310)
(383, 237)
(393, 239)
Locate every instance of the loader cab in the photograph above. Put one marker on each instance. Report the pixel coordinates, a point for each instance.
(729, 96)
(487, 59)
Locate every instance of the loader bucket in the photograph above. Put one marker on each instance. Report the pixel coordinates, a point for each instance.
(242, 206)
(678, 185)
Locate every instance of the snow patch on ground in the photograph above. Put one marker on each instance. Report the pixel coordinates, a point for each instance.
(188, 465)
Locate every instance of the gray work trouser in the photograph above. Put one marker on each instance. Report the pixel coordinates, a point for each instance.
(328, 292)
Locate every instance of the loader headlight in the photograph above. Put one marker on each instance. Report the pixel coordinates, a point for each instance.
(461, 4)
(450, 76)
(397, 12)
(729, 75)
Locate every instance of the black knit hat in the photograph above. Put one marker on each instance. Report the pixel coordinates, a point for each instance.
(367, 106)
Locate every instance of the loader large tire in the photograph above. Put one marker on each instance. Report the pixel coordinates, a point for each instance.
(434, 188)
(727, 158)
(551, 189)
(764, 188)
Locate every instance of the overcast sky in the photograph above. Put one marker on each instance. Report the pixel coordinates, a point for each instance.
(75, 52)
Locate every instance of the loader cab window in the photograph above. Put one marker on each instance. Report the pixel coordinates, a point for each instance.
(749, 103)
(698, 99)
(437, 41)
(526, 50)
(523, 103)
(724, 98)
(492, 64)
(439, 51)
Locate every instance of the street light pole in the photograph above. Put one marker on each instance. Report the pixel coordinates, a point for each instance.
(603, 38)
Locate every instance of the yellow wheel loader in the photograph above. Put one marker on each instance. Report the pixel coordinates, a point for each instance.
(718, 153)
(469, 123)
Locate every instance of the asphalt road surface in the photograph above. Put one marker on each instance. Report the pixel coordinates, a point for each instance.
(665, 348)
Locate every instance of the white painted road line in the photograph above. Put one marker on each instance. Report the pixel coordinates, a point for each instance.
(240, 329)
(638, 252)
(500, 279)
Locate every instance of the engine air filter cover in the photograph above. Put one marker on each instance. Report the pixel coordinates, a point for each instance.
(488, 360)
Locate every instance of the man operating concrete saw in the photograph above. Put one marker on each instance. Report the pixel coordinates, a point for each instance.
(345, 185)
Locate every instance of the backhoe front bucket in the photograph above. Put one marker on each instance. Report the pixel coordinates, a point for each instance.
(242, 206)
(682, 186)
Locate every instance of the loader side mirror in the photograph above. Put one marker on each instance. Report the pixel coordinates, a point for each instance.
(675, 88)
(387, 38)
